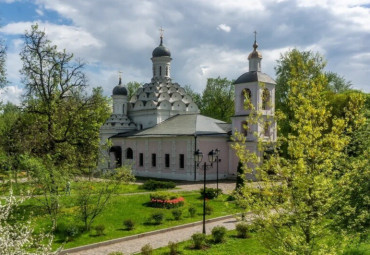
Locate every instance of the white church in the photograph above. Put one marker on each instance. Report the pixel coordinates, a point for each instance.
(159, 128)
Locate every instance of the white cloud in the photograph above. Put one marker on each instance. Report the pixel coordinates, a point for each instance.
(224, 28)
(11, 94)
(40, 12)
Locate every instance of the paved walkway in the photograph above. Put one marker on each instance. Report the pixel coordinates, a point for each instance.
(156, 240)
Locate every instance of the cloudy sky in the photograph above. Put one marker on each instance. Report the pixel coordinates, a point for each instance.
(207, 38)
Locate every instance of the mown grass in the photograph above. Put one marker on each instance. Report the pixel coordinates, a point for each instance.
(233, 245)
(120, 208)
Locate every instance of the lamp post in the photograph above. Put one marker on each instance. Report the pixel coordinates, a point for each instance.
(217, 152)
(198, 156)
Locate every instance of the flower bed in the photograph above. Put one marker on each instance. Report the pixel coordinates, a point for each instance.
(166, 200)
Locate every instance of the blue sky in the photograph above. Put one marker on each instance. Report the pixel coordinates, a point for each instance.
(207, 38)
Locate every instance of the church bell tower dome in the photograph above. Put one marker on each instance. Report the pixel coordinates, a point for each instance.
(119, 90)
(161, 50)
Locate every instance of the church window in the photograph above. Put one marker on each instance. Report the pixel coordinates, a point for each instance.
(141, 159)
(266, 129)
(265, 99)
(166, 70)
(129, 153)
(160, 71)
(246, 98)
(153, 71)
(154, 159)
(182, 161)
(167, 160)
(123, 109)
(244, 128)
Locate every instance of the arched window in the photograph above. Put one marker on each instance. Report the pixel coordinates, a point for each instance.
(246, 98)
(244, 128)
(266, 99)
(123, 109)
(160, 71)
(166, 70)
(153, 71)
(129, 153)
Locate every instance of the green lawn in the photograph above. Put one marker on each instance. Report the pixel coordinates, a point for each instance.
(232, 246)
(120, 208)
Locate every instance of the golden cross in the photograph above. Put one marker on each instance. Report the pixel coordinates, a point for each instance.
(161, 31)
(255, 35)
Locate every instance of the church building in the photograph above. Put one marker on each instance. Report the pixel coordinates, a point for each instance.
(159, 128)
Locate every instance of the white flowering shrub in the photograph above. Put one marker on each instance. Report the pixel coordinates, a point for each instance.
(17, 238)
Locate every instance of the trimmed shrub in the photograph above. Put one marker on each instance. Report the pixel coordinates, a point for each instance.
(210, 192)
(209, 209)
(176, 213)
(147, 249)
(219, 234)
(198, 240)
(116, 253)
(157, 217)
(167, 200)
(192, 211)
(242, 230)
(99, 229)
(174, 248)
(154, 185)
(129, 224)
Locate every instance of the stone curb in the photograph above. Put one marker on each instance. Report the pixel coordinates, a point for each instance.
(150, 233)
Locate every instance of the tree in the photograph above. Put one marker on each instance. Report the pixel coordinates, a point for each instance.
(18, 238)
(60, 124)
(293, 207)
(337, 84)
(218, 99)
(92, 200)
(132, 87)
(2, 64)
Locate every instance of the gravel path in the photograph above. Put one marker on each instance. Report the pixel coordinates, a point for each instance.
(156, 240)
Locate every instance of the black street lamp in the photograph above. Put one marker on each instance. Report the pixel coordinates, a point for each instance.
(198, 156)
(217, 153)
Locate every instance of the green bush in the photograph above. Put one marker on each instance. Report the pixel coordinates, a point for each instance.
(157, 217)
(192, 211)
(163, 195)
(99, 229)
(71, 232)
(176, 213)
(198, 240)
(219, 234)
(116, 253)
(209, 209)
(129, 224)
(154, 185)
(242, 230)
(210, 192)
(147, 249)
(174, 248)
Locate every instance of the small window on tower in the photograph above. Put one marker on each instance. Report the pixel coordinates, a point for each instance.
(244, 128)
(123, 109)
(266, 129)
(167, 71)
(266, 100)
(160, 71)
(141, 159)
(246, 97)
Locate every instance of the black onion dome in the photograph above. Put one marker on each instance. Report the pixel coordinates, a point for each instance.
(119, 90)
(161, 51)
